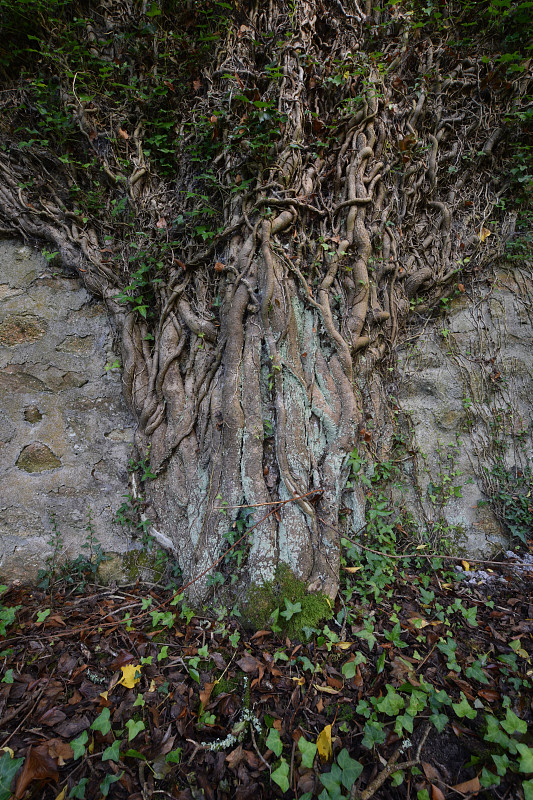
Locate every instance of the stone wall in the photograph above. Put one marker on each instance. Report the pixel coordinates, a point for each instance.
(65, 430)
(467, 386)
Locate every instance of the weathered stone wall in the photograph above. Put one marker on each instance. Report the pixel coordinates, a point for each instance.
(467, 385)
(64, 427)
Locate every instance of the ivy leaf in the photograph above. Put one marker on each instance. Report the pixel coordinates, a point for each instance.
(332, 782)
(439, 721)
(404, 722)
(108, 781)
(527, 786)
(274, 742)
(464, 709)
(495, 734)
(308, 751)
(134, 728)
(78, 791)
(78, 745)
(349, 669)
(112, 753)
(351, 769)
(291, 609)
(502, 762)
(281, 775)
(102, 723)
(526, 757)
(8, 769)
(488, 779)
(392, 703)
(513, 724)
(476, 673)
(375, 733)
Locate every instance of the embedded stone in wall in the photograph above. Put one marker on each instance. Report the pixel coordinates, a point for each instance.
(65, 431)
(37, 457)
(21, 329)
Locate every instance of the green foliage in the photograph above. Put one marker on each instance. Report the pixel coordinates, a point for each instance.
(512, 499)
(302, 609)
(77, 572)
(8, 769)
(7, 613)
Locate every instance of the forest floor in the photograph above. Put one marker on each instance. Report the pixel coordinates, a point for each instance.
(419, 690)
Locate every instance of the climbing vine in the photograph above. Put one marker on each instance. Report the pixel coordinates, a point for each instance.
(265, 197)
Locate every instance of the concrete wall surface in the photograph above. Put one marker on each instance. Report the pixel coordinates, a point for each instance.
(65, 430)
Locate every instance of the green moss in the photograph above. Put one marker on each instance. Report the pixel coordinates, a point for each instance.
(262, 602)
(143, 565)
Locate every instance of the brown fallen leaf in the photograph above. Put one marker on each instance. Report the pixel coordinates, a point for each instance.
(235, 757)
(123, 134)
(205, 693)
(52, 717)
(430, 772)
(38, 766)
(248, 663)
(468, 787)
(60, 750)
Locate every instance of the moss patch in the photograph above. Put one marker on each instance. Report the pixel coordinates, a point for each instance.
(263, 601)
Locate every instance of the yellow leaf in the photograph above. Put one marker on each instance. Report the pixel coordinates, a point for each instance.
(62, 794)
(484, 233)
(299, 681)
(131, 674)
(8, 750)
(466, 565)
(104, 694)
(326, 689)
(421, 546)
(323, 744)
(352, 569)
(152, 686)
(343, 645)
(91, 747)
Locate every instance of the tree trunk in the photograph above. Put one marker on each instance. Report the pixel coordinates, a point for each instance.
(331, 154)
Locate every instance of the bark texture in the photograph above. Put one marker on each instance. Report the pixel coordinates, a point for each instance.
(329, 171)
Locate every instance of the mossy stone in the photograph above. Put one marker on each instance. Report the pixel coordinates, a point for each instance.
(262, 601)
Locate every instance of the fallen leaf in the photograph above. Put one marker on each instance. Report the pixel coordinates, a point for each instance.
(38, 766)
(131, 675)
(161, 223)
(123, 134)
(248, 663)
(466, 565)
(197, 85)
(218, 266)
(62, 794)
(205, 693)
(436, 793)
(326, 689)
(323, 744)
(59, 749)
(52, 717)
(235, 757)
(484, 233)
(430, 772)
(472, 785)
